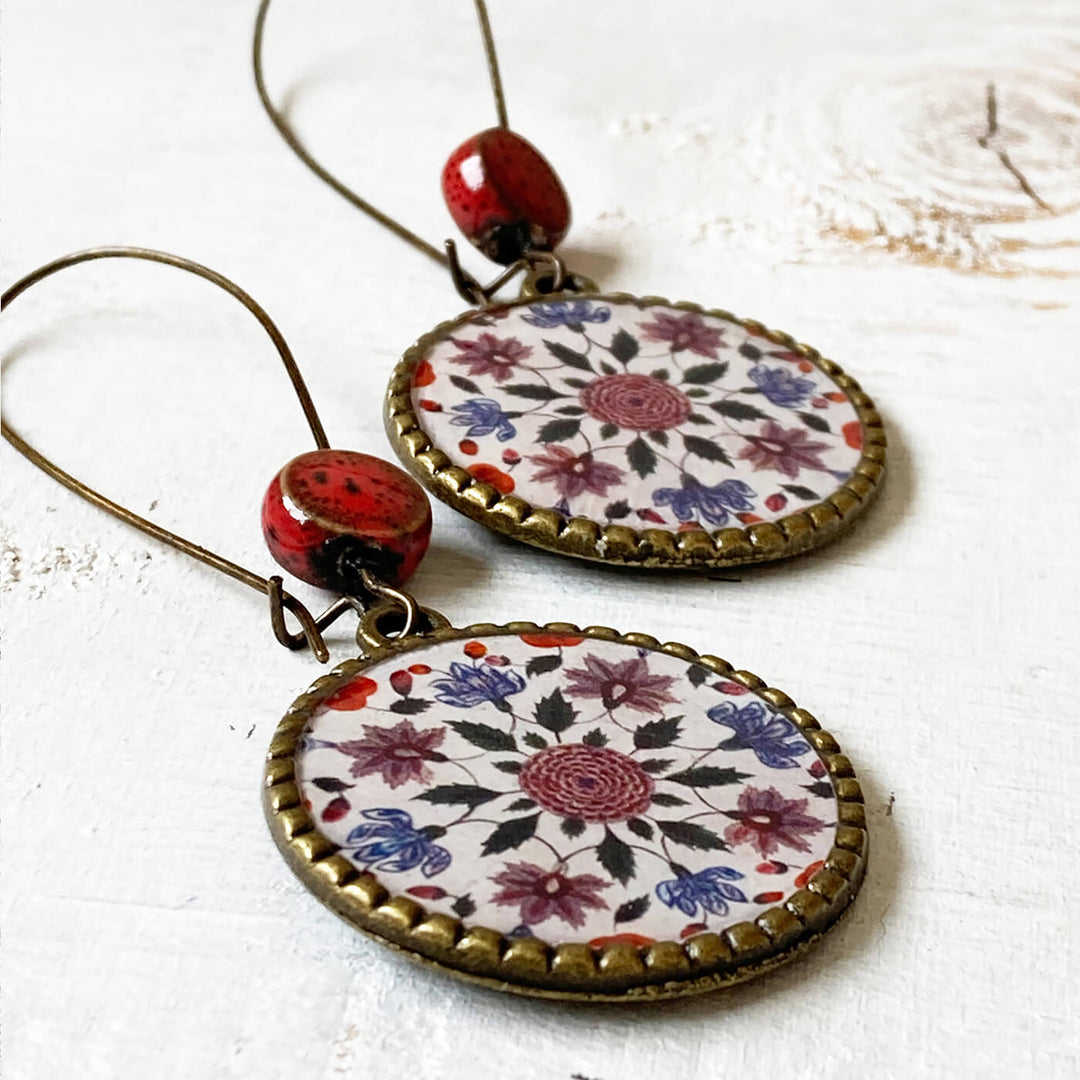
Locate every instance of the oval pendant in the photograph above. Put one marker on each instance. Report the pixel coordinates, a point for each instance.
(567, 813)
(634, 431)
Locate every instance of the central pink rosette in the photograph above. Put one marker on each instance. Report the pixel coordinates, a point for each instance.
(589, 783)
(637, 402)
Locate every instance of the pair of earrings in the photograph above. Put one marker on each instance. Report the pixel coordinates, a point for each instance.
(551, 810)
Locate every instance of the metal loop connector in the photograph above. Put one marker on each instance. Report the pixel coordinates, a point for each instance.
(396, 615)
(311, 628)
(545, 275)
(408, 604)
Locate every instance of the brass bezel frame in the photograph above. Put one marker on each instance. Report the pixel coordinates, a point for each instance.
(622, 545)
(529, 966)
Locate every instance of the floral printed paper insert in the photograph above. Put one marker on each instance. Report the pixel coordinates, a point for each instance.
(643, 415)
(567, 787)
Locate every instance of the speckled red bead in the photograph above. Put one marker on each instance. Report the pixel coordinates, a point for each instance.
(329, 514)
(504, 196)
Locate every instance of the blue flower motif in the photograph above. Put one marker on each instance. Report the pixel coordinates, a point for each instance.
(708, 887)
(774, 738)
(569, 313)
(469, 686)
(781, 387)
(711, 504)
(482, 416)
(391, 843)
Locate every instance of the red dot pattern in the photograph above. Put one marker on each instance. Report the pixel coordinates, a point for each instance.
(498, 179)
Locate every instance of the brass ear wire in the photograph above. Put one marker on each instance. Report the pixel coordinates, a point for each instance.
(280, 600)
(536, 265)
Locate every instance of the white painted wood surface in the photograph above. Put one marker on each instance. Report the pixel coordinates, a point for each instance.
(829, 168)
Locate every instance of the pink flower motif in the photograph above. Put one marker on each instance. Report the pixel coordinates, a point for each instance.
(493, 356)
(573, 473)
(637, 402)
(398, 753)
(543, 893)
(765, 820)
(625, 682)
(784, 450)
(684, 332)
(587, 783)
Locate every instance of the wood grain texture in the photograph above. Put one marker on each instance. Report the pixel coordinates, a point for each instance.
(835, 169)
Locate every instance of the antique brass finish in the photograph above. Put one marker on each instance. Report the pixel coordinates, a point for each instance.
(311, 627)
(621, 544)
(614, 973)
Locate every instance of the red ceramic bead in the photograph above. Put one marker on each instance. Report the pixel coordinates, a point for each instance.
(331, 513)
(504, 196)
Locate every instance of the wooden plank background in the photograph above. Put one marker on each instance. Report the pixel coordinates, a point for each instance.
(897, 184)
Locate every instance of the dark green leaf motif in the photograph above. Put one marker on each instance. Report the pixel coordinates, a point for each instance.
(554, 712)
(471, 795)
(738, 410)
(697, 674)
(536, 742)
(705, 448)
(608, 369)
(624, 346)
(662, 798)
(570, 410)
(330, 783)
(705, 373)
(656, 764)
(594, 738)
(812, 420)
(463, 906)
(409, 706)
(533, 391)
(572, 827)
(616, 857)
(640, 828)
(538, 665)
(641, 456)
(566, 355)
(707, 776)
(522, 804)
(751, 352)
(484, 735)
(822, 789)
(801, 492)
(509, 766)
(609, 431)
(617, 510)
(465, 384)
(558, 431)
(511, 834)
(657, 733)
(691, 835)
(632, 909)
(577, 384)
(659, 437)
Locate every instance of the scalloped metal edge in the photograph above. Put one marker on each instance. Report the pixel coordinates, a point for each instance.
(530, 966)
(622, 545)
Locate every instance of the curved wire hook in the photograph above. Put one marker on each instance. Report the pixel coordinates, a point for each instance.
(272, 587)
(467, 286)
